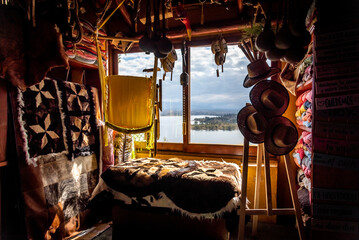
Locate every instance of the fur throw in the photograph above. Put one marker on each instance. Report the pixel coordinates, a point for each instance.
(195, 186)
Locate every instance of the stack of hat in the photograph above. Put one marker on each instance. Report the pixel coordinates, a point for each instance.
(262, 121)
(85, 50)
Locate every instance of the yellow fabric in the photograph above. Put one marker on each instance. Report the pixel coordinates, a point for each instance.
(130, 105)
(127, 102)
(102, 72)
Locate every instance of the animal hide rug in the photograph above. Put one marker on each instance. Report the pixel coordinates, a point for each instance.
(194, 186)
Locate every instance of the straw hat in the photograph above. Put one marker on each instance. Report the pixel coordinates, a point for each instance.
(281, 136)
(252, 124)
(269, 98)
(289, 76)
(258, 71)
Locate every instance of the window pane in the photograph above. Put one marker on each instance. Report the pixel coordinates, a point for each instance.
(215, 101)
(171, 116)
(132, 64)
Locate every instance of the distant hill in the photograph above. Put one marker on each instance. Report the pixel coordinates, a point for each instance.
(226, 122)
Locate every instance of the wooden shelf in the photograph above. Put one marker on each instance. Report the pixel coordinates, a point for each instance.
(306, 86)
(78, 64)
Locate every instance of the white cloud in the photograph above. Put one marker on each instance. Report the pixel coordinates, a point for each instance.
(206, 88)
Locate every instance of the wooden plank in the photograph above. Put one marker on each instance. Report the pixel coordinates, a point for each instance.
(337, 211)
(242, 214)
(257, 186)
(337, 102)
(293, 192)
(340, 147)
(4, 120)
(268, 182)
(335, 226)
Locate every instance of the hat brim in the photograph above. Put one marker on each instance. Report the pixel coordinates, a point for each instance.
(249, 82)
(289, 84)
(242, 125)
(257, 91)
(269, 144)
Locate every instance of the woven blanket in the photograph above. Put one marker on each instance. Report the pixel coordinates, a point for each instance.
(193, 186)
(56, 134)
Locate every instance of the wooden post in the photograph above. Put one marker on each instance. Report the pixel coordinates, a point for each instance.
(293, 192)
(242, 215)
(257, 186)
(268, 183)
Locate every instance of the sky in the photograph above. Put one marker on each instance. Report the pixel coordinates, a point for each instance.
(208, 92)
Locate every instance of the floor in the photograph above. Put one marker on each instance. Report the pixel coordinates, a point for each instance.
(266, 231)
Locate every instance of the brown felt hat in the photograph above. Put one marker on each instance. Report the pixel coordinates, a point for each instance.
(258, 71)
(252, 124)
(269, 98)
(281, 136)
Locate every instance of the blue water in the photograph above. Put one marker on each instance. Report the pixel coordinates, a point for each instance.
(171, 131)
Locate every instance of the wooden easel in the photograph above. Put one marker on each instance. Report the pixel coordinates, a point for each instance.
(269, 210)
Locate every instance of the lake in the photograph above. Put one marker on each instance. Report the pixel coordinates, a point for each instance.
(171, 131)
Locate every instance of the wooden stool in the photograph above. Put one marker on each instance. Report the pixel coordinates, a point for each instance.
(269, 210)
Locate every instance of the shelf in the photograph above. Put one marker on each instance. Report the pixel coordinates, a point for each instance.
(305, 128)
(304, 87)
(78, 64)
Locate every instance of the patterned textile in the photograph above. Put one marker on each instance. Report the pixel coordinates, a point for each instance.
(42, 121)
(56, 133)
(55, 121)
(194, 186)
(123, 145)
(78, 105)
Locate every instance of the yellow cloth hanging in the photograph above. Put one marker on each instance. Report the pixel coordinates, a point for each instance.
(130, 106)
(128, 103)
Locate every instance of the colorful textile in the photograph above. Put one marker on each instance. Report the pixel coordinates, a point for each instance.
(85, 50)
(56, 131)
(303, 153)
(304, 109)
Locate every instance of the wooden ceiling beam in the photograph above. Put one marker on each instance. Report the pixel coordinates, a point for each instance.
(125, 14)
(230, 26)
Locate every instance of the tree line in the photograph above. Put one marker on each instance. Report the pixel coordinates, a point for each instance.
(226, 122)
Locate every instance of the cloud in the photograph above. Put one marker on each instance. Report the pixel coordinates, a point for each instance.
(207, 90)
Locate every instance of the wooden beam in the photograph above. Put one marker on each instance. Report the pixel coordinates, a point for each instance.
(257, 185)
(126, 16)
(243, 204)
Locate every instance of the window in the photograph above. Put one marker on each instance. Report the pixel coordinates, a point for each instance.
(171, 117)
(133, 64)
(215, 101)
(211, 103)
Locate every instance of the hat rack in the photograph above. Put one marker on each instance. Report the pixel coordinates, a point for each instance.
(263, 156)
